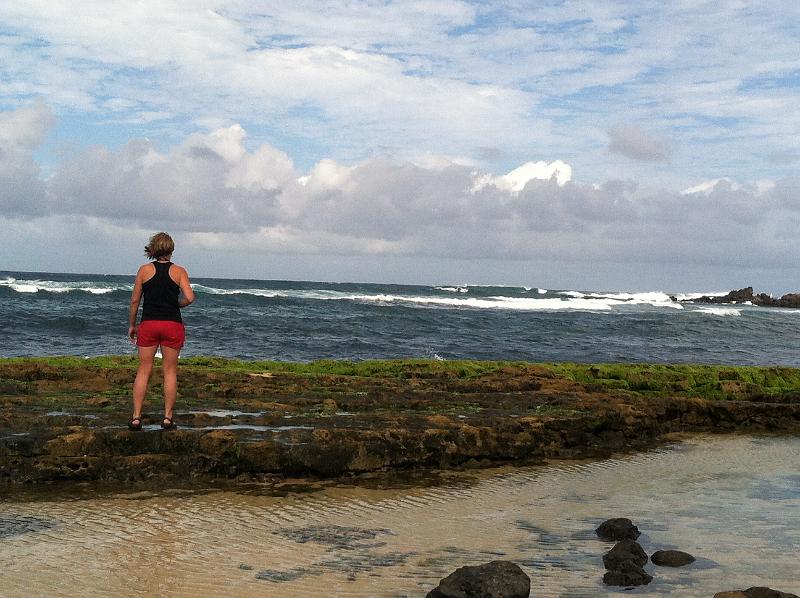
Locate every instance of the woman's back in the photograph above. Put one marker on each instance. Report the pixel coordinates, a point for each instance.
(165, 288)
(161, 294)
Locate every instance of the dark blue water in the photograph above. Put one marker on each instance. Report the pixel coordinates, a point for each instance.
(80, 314)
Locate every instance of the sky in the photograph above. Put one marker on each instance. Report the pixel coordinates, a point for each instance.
(596, 145)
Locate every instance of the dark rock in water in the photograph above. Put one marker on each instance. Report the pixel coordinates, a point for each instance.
(671, 558)
(625, 551)
(331, 535)
(498, 579)
(15, 526)
(628, 574)
(789, 300)
(763, 592)
(625, 561)
(620, 528)
(276, 576)
(755, 592)
(741, 296)
(746, 295)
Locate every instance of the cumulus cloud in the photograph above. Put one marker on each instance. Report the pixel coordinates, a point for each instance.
(726, 185)
(516, 180)
(25, 128)
(215, 191)
(21, 132)
(631, 142)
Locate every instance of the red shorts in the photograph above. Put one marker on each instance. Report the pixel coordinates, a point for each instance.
(161, 332)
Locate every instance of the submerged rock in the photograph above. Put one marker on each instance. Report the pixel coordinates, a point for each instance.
(16, 526)
(331, 535)
(625, 551)
(625, 562)
(619, 528)
(755, 592)
(628, 573)
(671, 558)
(498, 579)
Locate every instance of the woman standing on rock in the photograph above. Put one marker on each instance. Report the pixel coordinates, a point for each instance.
(161, 283)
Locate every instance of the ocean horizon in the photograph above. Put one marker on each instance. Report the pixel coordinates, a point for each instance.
(44, 314)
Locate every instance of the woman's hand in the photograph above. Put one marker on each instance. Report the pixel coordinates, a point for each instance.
(132, 333)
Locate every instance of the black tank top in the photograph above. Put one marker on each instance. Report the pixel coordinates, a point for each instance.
(161, 296)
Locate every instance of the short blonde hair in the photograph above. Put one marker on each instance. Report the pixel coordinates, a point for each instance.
(160, 245)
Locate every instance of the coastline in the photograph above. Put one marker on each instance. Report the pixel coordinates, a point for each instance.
(63, 419)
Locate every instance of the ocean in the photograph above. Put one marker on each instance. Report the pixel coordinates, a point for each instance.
(45, 314)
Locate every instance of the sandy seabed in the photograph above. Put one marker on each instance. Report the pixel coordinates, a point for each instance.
(732, 501)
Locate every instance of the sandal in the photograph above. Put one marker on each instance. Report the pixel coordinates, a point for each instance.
(168, 424)
(135, 424)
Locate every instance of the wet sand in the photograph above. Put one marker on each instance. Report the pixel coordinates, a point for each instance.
(732, 501)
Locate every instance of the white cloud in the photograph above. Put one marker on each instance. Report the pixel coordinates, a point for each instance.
(516, 180)
(632, 142)
(24, 129)
(22, 192)
(519, 177)
(220, 195)
(708, 187)
(347, 79)
(725, 184)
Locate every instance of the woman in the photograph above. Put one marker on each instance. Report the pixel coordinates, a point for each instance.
(166, 290)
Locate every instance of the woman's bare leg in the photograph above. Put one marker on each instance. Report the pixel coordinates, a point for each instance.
(170, 365)
(146, 355)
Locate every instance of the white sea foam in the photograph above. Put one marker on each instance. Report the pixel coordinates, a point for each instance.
(720, 311)
(693, 296)
(654, 298)
(565, 301)
(199, 288)
(494, 302)
(53, 286)
(497, 302)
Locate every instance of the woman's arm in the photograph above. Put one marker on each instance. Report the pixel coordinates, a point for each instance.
(186, 289)
(136, 298)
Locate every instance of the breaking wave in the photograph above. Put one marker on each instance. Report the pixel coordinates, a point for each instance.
(494, 297)
(720, 311)
(466, 296)
(54, 286)
(562, 300)
(84, 314)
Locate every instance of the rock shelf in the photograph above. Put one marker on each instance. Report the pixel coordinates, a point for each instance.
(65, 418)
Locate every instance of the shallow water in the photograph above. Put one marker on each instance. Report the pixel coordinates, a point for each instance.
(732, 501)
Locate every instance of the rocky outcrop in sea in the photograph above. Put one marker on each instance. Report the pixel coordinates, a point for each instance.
(746, 295)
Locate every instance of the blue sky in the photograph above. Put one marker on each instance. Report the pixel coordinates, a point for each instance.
(352, 140)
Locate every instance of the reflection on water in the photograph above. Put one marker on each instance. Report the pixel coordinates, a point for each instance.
(733, 502)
